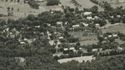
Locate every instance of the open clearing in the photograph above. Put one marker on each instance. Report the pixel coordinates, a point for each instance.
(83, 3)
(86, 3)
(85, 40)
(67, 3)
(119, 41)
(115, 28)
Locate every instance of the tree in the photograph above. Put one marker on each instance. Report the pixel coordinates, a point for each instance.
(33, 4)
(122, 36)
(52, 2)
(107, 6)
(94, 9)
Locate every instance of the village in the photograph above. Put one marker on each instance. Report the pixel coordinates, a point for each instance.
(84, 42)
(65, 34)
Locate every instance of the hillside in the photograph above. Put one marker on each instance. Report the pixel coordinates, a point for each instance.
(83, 3)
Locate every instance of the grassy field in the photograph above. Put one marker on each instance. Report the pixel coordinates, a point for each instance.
(85, 40)
(86, 3)
(67, 3)
(119, 41)
(83, 3)
(115, 28)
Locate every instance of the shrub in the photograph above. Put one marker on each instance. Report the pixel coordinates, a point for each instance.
(73, 40)
(122, 36)
(33, 4)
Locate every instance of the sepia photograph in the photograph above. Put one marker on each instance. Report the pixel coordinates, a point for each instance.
(62, 34)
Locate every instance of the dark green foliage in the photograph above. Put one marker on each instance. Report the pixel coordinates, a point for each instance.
(52, 18)
(94, 1)
(122, 36)
(9, 63)
(107, 6)
(33, 4)
(52, 2)
(73, 40)
(76, 3)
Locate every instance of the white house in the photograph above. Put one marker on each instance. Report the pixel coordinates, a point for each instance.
(119, 48)
(61, 37)
(76, 26)
(109, 36)
(37, 26)
(115, 35)
(29, 40)
(71, 48)
(96, 17)
(94, 50)
(49, 24)
(59, 23)
(85, 24)
(89, 18)
(118, 16)
(66, 23)
(87, 13)
(20, 59)
(51, 42)
(65, 49)
(97, 25)
(105, 37)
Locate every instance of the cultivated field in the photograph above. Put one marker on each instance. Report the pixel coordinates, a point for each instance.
(117, 5)
(86, 3)
(83, 3)
(119, 41)
(85, 39)
(114, 28)
(67, 3)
